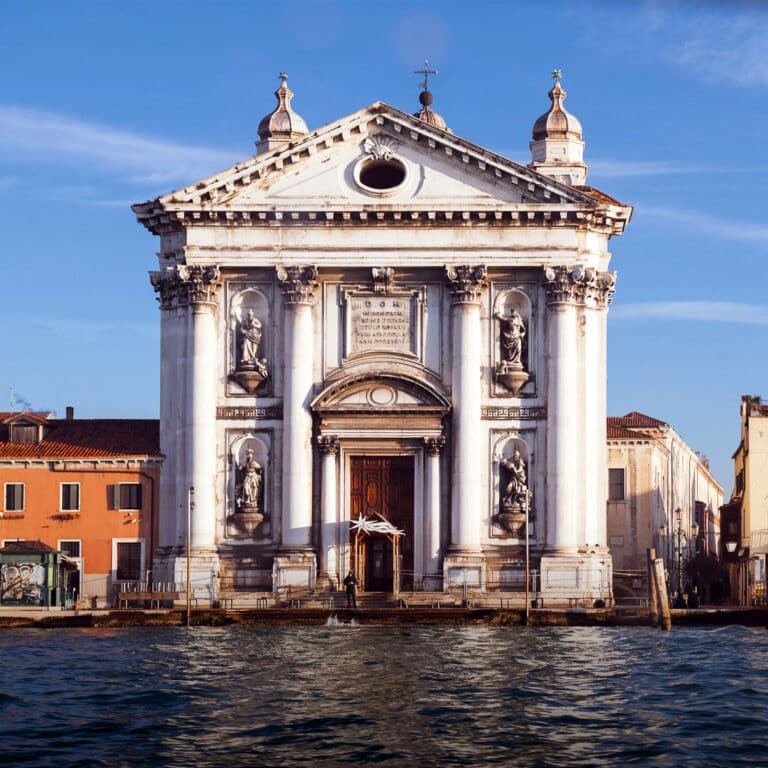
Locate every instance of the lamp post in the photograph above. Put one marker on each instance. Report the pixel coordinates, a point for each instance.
(680, 539)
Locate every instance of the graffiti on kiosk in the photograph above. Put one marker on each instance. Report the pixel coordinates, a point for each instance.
(22, 583)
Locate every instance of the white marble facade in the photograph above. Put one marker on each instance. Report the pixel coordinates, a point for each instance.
(380, 290)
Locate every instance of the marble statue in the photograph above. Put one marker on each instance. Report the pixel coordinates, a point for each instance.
(517, 487)
(250, 338)
(512, 335)
(250, 488)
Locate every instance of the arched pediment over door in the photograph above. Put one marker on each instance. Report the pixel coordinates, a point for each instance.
(380, 404)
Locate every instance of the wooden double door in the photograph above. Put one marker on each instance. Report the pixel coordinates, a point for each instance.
(382, 486)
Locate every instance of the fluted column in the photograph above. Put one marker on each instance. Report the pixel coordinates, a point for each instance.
(329, 565)
(564, 512)
(432, 448)
(298, 285)
(597, 298)
(197, 291)
(466, 284)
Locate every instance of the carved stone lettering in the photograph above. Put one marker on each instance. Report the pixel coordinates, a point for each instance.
(381, 323)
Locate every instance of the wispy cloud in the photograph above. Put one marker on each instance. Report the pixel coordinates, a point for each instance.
(723, 46)
(83, 331)
(705, 224)
(619, 168)
(701, 311)
(33, 135)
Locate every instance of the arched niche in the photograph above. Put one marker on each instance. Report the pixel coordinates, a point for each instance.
(243, 522)
(508, 302)
(512, 489)
(252, 373)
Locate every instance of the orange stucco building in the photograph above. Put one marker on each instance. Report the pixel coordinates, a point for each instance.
(88, 487)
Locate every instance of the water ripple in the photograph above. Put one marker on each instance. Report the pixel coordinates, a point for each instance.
(344, 695)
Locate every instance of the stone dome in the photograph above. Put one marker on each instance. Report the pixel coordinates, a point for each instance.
(427, 114)
(283, 124)
(557, 122)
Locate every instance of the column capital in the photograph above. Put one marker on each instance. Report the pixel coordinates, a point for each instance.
(186, 284)
(433, 445)
(328, 444)
(567, 285)
(298, 283)
(466, 282)
(600, 291)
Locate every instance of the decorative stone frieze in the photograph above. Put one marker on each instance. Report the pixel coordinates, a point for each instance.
(433, 445)
(600, 292)
(466, 282)
(298, 283)
(577, 285)
(166, 286)
(328, 445)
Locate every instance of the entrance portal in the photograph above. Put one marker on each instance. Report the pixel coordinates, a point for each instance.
(382, 487)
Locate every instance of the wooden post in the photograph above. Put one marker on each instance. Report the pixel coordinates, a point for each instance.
(653, 603)
(665, 617)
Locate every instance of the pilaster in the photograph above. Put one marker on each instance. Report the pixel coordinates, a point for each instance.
(432, 448)
(329, 533)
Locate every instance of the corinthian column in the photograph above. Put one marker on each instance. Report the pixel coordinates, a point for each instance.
(329, 447)
(298, 285)
(466, 284)
(564, 486)
(196, 290)
(597, 299)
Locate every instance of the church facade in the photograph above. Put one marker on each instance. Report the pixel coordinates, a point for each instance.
(383, 349)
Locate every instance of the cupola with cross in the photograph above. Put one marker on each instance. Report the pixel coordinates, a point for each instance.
(282, 125)
(557, 149)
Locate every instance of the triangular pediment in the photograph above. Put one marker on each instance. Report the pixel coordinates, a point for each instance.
(321, 171)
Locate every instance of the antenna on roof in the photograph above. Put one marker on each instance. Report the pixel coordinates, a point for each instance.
(10, 398)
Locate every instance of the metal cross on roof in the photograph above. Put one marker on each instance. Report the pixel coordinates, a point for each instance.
(557, 74)
(426, 72)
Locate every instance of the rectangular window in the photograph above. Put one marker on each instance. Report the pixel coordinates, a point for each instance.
(129, 496)
(71, 547)
(70, 497)
(616, 485)
(128, 560)
(14, 497)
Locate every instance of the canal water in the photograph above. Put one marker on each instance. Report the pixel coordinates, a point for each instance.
(389, 696)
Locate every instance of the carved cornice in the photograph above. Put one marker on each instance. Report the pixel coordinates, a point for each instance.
(328, 444)
(297, 284)
(186, 284)
(466, 282)
(433, 445)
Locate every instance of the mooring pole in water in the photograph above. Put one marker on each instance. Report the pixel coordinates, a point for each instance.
(653, 604)
(527, 564)
(665, 617)
(190, 507)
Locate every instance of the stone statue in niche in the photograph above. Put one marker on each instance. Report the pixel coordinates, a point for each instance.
(251, 370)
(516, 498)
(510, 372)
(248, 515)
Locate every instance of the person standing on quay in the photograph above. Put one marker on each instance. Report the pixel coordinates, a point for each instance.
(350, 584)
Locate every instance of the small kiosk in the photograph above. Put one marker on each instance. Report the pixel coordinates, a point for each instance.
(33, 574)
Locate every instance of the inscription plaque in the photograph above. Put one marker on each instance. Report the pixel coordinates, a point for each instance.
(513, 413)
(383, 323)
(268, 412)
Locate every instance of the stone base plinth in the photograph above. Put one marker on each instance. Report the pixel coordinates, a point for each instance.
(297, 569)
(461, 569)
(171, 568)
(582, 580)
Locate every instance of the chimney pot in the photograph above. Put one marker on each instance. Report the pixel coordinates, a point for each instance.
(70, 413)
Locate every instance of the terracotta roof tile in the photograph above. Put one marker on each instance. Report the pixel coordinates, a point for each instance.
(88, 438)
(637, 419)
(27, 545)
(617, 432)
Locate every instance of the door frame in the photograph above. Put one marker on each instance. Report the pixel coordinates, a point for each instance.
(349, 448)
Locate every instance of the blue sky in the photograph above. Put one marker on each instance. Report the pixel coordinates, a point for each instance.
(104, 104)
